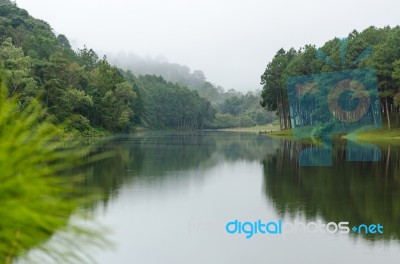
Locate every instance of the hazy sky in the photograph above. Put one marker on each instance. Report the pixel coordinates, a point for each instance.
(230, 40)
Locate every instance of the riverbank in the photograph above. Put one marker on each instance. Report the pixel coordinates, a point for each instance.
(382, 134)
(95, 132)
(264, 129)
(378, 135)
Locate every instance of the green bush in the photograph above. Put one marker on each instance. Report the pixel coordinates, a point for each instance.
(320, 130)
(77, 122)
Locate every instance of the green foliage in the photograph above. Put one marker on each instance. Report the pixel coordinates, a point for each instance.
(246, 121)
(36, 200)
(224, 121)
(169, 105)
(242, 111)
(17, 68)
(385, 43)
(321, 129)
(396, 72)
(174, 73)
(85, 93)
(77, 89)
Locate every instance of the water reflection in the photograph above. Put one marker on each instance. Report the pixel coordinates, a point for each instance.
(350, 190)
(358, 192)
(74, 243)
(153, 158)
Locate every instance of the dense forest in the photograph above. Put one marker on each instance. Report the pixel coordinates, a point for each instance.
(233, 108)
(80, 90)
(87, 94)
(242, 111)
(172, 72)
(374, 47)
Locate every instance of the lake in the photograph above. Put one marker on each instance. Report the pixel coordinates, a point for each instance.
(168, 197)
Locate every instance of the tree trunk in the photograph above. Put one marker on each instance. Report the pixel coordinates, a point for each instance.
(373, 115)
(387, 112)
(283, 110)
(278, 106)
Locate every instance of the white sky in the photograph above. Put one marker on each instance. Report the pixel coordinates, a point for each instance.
(230, 40)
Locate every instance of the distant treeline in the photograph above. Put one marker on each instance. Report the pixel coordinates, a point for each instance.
(175, 73)
(233, 108)
(85, 93)
(385, 58)
(242, 111)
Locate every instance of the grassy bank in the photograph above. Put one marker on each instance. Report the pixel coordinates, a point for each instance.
(382, 134)
(282, 134)
(378, 135)
(268, 128)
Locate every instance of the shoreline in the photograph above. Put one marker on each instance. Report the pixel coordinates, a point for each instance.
(382, 135)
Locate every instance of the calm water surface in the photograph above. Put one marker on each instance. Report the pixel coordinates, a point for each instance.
(168, 197)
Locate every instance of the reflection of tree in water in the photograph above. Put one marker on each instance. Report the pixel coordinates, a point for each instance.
(156, 157)
(149, 157)
(245, 146)
(358, 192)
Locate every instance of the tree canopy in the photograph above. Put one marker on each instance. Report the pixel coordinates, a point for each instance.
(84, 92)
(374, 47)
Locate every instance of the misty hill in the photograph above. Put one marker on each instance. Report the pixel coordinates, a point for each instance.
(85, 93)
(234, 109)
(172, 72)
(82, 92)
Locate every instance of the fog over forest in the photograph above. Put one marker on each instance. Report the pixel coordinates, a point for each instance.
(231, 41)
